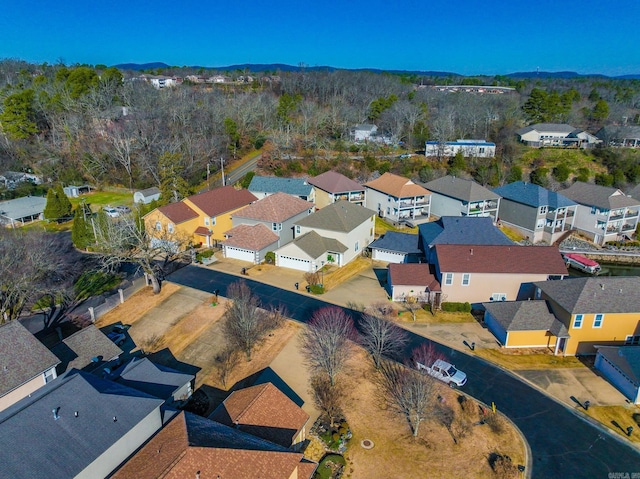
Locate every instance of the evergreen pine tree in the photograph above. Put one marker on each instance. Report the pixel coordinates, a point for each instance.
(81, 233)
(52, 208)
(65, 205)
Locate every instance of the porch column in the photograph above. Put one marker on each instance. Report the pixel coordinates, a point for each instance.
(555, 351)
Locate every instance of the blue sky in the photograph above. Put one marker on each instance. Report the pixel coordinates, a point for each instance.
(463, 36)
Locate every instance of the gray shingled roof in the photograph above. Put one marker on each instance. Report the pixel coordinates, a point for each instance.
(635, 192)
(22, 207)
(272, 184)
(22, 356)
(34, 444)
(339, 216)
(315, 245)
(526, 316)
(547, 127)
(398, 242)
(603, 197)
(625, 358)
(604, 294)
(150, 378)
(461, 189)
(619, 132)
(533, 195)
(78, 350)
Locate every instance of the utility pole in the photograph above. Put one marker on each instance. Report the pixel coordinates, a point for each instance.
(222, 168)
(208, 174)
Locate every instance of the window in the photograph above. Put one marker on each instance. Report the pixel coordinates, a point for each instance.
(465, 279)
(538, 293)
(276, 226)
(297, 229)
(170, 227)
(499, 297)
(448, 279)
(597, 321)
(158, 226)
(593, 210)
(481, 150)
(577, 321)
(206, 221)
(540, 223)
(357, 246)
(543, 210)
(49, 375)
(213, 221)
(632, 341)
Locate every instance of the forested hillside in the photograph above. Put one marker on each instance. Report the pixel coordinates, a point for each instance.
(104, 126)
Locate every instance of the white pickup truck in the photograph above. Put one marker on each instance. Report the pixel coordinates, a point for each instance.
(445, 372)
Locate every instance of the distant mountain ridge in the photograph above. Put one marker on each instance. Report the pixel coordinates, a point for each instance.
(262, 67)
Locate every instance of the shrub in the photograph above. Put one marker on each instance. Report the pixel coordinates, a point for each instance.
(316, 289)
(200, 255)
(561, 172)
(502, 466)
(456, 307)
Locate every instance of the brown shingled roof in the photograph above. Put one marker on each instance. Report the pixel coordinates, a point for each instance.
(397, 186)
(263, 411)
(412, 274)
(500, 259)
(178, 212)
(222, 200)
(251, 237)
(335, 182)
(275, 208)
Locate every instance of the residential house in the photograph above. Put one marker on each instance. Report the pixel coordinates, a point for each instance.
(556, 134)
(11, 179)
(394, 247)
(331, 186)
(451, 196)
(398, 199)
(249, 242)
(524, 324)
(622, 136)
(413, 281)
(621, 367)
(265, 412)
(88, 349)
(469, 148)
(17, 212)
(26, 363)
(263, 186)
(364, 132)
(461, 230)
(191, 446)
(278, 212)
(481, 273)
(344, 229)
(173, 387)
(146, 196)
(603, 213)
(536, 212)
(597, 311)
(79, 425)
(203, 218)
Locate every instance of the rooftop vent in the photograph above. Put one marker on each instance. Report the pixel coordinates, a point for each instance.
(55, 411)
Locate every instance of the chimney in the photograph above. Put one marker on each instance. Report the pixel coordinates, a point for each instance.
(602, 286)
(56, 410)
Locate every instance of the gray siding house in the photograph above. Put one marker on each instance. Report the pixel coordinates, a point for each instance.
(451, 196)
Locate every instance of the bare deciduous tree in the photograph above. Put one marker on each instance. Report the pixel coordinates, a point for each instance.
(407, 393)
(245, 323)
(327, 341)
(127, 240)
(412, 305)
(327, 397)
(226, 361)
(381, 338)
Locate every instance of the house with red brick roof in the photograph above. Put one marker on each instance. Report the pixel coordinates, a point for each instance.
(191, 446)
(278, 212)
(203, 218)
(332, 186)
(413, 280)
(398, 199)
(249, 242)
(264, 411)
(483, 273)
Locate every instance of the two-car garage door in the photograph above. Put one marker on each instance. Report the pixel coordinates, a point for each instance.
(239, 253)
(293, 263)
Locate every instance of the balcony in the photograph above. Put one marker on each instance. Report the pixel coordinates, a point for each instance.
(413, 203)
(628, 227)
(551, 215)
(631, 214)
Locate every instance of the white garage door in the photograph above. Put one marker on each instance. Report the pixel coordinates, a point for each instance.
(388, 256)
(293, 263)
(238, 253)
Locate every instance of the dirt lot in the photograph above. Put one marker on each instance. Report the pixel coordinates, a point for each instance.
(397, 454)
(181, 328)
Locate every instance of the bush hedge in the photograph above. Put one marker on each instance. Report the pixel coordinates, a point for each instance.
(456, 307)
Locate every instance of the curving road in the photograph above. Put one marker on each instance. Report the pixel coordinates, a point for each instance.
(563, 445)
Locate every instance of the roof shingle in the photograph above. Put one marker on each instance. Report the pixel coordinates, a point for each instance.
(397, 186)
(334, 182)
(461, 189)
(339, 216)
(222, 200)
(275, 208)
(250, 237)
(178, 212)
(413, 274)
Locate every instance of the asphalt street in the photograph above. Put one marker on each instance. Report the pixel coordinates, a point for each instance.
(563, 445)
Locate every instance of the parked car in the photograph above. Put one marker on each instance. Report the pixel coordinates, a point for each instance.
(123, 210)
(117, 338)
(445, 372)
(111, 211)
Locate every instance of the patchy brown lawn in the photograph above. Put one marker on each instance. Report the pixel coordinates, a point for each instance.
(423, 316)
(618, 419)
(396, 453)
(137, 305)
(528, 358)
